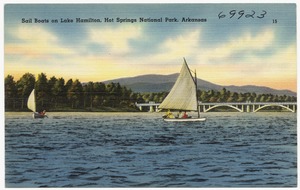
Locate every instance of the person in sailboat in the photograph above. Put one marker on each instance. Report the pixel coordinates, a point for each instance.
(184, 116)
(179, 114)
(43, 113)
(169, 114)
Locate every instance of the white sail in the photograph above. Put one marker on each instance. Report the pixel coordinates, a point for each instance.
(31, 102)
(183, 94)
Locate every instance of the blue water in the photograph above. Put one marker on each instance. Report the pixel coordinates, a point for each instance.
(141, 150)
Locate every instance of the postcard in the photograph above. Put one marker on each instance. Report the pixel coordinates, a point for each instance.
(150, 95)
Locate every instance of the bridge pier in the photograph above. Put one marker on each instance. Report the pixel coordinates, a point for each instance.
(140, 108)
(153, 109)
(294, 108)
(204, 108)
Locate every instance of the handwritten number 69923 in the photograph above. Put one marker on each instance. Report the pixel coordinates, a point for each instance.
(241, 13)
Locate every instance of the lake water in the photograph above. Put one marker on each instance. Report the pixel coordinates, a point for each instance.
(141, 150)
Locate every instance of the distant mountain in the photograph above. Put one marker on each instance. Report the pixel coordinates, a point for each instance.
(160, 83)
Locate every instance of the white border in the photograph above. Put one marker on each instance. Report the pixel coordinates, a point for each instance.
(2, 125)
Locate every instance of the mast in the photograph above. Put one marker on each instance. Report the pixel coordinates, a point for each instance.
(198, 110)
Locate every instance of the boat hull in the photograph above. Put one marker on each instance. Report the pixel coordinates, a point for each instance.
(37, 115)
(185, 119)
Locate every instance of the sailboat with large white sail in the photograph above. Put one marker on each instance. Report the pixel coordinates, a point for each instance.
(183, 96)
(31, 104)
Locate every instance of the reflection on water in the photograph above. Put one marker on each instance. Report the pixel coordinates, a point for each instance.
(141, 150)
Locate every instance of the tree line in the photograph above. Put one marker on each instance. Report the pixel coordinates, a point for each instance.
(56, 94)
(224, 95)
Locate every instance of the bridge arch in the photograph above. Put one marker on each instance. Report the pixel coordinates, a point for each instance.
(272, 105)
(231, 106)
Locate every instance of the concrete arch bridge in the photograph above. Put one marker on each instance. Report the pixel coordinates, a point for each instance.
(239, 106)
(249, 106)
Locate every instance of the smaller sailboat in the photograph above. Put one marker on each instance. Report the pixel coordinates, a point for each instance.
(183, 96)
(31, 104)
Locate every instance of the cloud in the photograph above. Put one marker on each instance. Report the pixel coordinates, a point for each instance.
(251, 58)
(283, 63)
(183, 45)
(115, 40)
(34, 42)
(277, 70)
(239, 46)
(35, 49)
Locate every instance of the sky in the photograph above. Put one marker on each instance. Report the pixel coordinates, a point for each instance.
(227, 51)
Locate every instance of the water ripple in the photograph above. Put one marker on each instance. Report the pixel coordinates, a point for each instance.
(141, 150)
